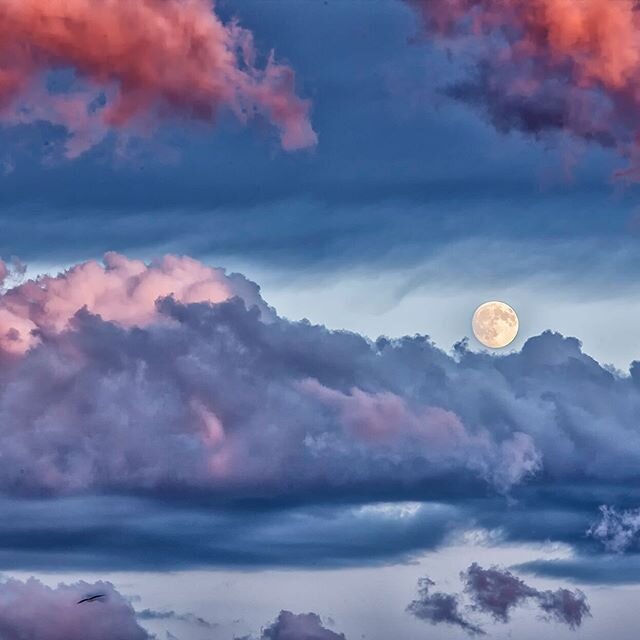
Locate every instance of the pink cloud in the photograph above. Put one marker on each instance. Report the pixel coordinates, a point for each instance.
(32, 610)
(123, 375)
(151, 60)
(119, 290)
(384, 419)
(545, 65)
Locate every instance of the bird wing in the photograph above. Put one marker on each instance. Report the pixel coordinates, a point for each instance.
(91, 598)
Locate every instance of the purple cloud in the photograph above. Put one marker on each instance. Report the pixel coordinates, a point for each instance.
(546, 65)
(304, 626)
(498, 592)
(128, 377)
(32, 610)
(495, 591)
(440, 608)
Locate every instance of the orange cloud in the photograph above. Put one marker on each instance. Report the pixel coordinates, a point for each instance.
(569, 65)
(149, 59)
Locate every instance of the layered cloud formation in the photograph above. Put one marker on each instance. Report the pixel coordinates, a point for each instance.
(135, 63)
(176, 382)
(543, 65)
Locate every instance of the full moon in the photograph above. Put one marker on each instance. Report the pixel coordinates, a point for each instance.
(495, 324)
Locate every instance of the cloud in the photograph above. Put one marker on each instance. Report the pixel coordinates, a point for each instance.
(304, 626)
(617, 530)
(179, 531)
(134, 64)
(11, 272)
(546, 65)
(194, 364)
(176, 382)
(497, 592)
(207, 386)
(119, 290)
(32, 610)
(438, 608)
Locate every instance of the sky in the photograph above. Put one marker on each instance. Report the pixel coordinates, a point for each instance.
(241, 246)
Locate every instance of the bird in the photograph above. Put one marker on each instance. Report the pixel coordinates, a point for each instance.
(91, 598)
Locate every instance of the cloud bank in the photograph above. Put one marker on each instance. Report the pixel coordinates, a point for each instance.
(172, 383)
(545, 65)
(225, 396)
(133, 64)
(231, 399)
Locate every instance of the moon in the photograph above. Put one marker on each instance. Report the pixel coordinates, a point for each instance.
(495, 324)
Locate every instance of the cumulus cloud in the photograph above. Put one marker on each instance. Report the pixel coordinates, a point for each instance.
(545, 65)
(438, 608)
(127, 376)
(135, 63)
(32, 610)
(177, 382)
(105, 389)
(118, 290)
(616, 529)
(304, 626)
(498, 592)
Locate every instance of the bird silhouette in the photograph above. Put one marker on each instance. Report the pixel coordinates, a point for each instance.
(91, 598)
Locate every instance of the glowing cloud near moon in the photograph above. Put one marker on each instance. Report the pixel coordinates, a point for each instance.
(495, 324)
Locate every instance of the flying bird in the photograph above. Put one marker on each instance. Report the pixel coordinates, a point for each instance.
(91, 598)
